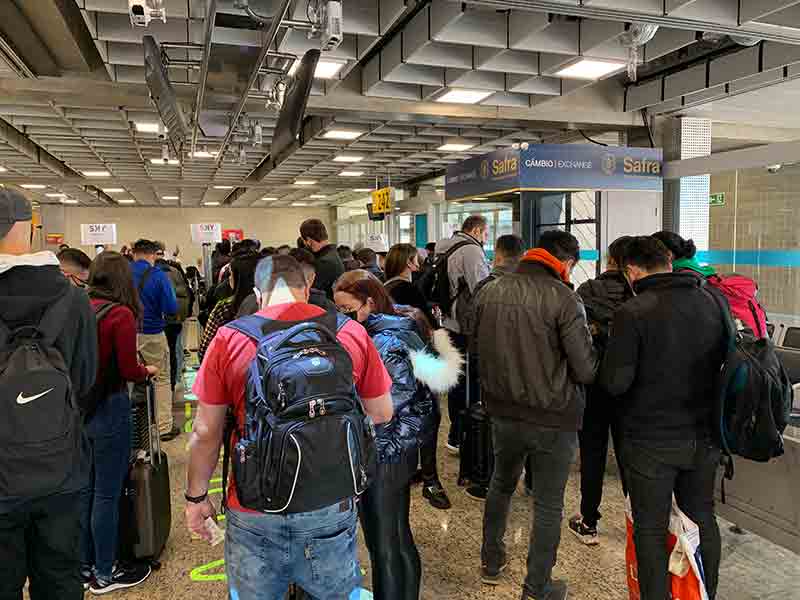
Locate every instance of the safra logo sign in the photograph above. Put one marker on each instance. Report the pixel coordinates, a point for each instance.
(609, 164)
(633, 166)
(485, 169)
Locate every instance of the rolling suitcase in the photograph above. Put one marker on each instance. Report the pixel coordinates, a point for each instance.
(145, 506)
(477, 451)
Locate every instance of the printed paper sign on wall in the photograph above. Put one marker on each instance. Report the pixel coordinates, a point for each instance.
(98, 234)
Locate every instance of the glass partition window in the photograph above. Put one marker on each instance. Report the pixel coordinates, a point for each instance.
(499, 215)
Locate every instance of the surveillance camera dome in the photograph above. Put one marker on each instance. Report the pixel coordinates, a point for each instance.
(524, 145)
(774, 168)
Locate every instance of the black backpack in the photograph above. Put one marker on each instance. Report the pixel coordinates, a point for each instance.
(111, 380)
(307, 442)
(435, 283)
(755, 396)
(40, 421)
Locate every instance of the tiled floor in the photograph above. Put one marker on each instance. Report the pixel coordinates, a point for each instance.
(449, 543)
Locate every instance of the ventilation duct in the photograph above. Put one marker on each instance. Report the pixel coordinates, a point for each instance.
(637, 35)
(744, 40)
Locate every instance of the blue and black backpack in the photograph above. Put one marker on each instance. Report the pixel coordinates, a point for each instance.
(306, 442)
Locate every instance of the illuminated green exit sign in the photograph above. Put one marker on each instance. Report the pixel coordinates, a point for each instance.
(716, 200)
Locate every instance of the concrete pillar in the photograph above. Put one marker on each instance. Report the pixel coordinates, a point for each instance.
(686, 200)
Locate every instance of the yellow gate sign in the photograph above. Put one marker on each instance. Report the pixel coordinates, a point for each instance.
(382, 200)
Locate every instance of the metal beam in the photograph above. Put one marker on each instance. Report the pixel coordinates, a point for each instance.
(24, 145)
(746, 158)
(211, 16)
(752, 10)
(265, 49)
(555, 6)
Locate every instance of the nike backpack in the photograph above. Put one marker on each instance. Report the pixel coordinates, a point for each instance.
(306, 442)
(755, 397)
(740, 291)
(40, 421)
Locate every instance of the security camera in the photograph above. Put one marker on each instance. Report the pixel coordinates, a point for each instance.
(524, 145)
(142, 12)
(774, 168)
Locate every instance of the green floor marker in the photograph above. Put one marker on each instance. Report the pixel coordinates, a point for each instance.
(216, 480)
(220, 518)
(214, 491)
(201, 573)
(189, 424)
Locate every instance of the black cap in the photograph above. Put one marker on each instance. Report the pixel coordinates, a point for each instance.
(14, 207)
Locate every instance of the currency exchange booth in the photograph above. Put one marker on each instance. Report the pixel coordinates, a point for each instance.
(597, 193)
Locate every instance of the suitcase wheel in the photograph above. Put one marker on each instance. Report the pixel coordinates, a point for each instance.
(155, 565)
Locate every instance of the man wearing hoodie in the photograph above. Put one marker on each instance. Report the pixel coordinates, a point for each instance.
(39, 536)
(602, 297)
(536, 354)
(466, 268)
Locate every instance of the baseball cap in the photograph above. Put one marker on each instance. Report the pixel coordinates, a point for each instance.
(14, 207)
(377, 242)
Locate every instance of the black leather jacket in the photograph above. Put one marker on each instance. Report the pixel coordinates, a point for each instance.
(603, 297)
(534, 348)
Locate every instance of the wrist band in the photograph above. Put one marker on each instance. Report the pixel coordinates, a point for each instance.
(196, 499)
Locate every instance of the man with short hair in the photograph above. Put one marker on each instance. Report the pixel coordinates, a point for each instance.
(75, 265)
(666, 348)
(39, 536)
(536, 355)
(265, 553)
(329, 266)
(466, 268)
(369, 261)
(158, 300)
(174, 328)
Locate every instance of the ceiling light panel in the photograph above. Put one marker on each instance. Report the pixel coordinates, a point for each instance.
(305, 182)
(348, 158)
(343, 134)
(590, 69)
(462, 96)
(33, 186)
(351, 173)
(96, 174)
(126, 201)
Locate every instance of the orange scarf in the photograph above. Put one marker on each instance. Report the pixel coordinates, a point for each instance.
(543, 256)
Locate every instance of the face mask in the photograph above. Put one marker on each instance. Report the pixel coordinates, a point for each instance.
(353, 314)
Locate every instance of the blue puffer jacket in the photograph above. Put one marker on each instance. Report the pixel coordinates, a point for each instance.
(414, 371)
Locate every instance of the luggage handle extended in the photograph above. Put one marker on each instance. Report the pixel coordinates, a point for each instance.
(152, 424)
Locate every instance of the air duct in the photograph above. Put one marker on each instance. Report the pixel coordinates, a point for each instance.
(637, 35)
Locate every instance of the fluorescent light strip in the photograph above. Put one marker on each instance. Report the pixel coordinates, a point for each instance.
(348, 158)
(457, 96)
(305, 182)
(3, 169)
(318, 196)
(223, 187)
(161, 161)
(351, 173)
(169, 197)
(342, 134)
(148, 127)
(210, 203)
(363, 189)
(33, 186)
(68, 201)
(326, 69)
(299, 203)
(126, 201)
(96, 174)
(56, 195)
(268, 198)
(113, 190)
(455, 147)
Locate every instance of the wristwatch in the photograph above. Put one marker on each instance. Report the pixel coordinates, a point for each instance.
(196, 499)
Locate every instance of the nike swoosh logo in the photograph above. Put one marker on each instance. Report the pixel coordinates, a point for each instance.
(24, 400)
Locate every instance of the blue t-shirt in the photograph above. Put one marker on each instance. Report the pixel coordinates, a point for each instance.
(157, 296)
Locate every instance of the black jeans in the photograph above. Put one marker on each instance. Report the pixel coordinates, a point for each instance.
(550, 454)
(598, 419)
(457, 397)
(40, 541)
(653, 471)
(427, 450)
(383, 511)
(173, 331)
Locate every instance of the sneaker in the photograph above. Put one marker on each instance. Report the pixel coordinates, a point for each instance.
(171, 434)
(586, 534)
(452, 448)
(492, 576)
(477, 492)
(122, 578)
(435, 494)
(557, 590)
(87, 577)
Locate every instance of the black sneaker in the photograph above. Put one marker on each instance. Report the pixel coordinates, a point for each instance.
(477, 492)
(434, 493)
(557, 590)
(586, 534)
(122, 578)
(171, 434)
(87, 577)
(492, 576)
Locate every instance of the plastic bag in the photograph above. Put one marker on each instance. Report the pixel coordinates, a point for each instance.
(687, 580)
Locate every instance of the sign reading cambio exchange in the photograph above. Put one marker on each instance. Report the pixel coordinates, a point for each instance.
(556, 167)
(206, 233)
(98, 234)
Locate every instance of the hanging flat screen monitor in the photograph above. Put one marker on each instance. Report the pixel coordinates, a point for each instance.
(372, 216)
(290, 119)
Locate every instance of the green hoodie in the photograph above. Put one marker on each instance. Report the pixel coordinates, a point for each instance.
(692, 265)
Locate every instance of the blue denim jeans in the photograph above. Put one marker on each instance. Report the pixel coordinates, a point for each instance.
(316, 550)
(109, 434)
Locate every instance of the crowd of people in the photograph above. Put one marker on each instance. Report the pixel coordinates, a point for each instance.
(317, 356)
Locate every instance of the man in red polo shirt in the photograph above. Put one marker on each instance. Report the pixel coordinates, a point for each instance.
(264, 553)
